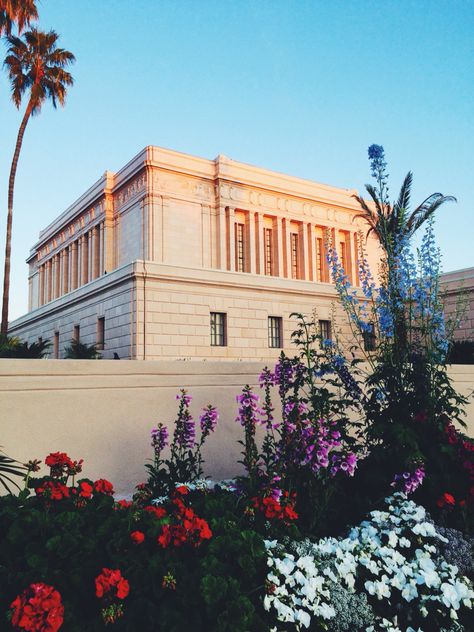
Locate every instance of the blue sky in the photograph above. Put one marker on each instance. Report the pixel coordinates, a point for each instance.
(302, 87)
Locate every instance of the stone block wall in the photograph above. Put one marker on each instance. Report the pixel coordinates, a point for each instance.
(103, 411)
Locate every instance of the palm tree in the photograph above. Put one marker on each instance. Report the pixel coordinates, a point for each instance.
(391, 221)
(37, 67)
(19, 12)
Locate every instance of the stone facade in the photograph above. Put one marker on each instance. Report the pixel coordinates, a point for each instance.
(148, 257)
(458, 291)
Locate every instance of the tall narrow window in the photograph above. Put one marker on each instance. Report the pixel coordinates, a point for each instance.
(325, 329)
(319, 259)
(76, 334)
(369, 338)
(100, 338)
(239, 247)
(343, 256)
(268, 251)
(356, 260)
(294, 256)
(56, 345)
(218, 329)
(275, 327)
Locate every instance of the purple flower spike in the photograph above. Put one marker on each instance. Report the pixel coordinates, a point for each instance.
(208, 420)
(409, 481)
(159, 438)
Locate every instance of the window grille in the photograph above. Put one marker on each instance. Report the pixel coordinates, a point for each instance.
(275, 332)
(239, 248)
(294, 256)
(218, 329)
(268, 251)
(325, 329)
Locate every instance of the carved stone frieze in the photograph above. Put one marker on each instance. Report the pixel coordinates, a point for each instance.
(130, 190)
(182, 186)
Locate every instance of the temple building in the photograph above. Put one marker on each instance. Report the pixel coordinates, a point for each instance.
(457, 288)
(179, 257)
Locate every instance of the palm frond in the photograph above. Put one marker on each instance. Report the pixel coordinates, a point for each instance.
(426, 210)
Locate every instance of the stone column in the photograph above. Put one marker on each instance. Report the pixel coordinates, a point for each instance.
(349, 258)
(79, 260)
(54, 271)
(312, 253)
(90, 255)
(356, 259)
(66, 270)
(74, 266)
(205, 236)
(40, 286)
(230, 221)
(50, 279)
(260, 225)
(109, 229)
(221, 238)
(93, 254)
(287, 271)
(278, 247)
(61, 272)
(251, 250)
(303, 254)
(101, 248)
(84, 259)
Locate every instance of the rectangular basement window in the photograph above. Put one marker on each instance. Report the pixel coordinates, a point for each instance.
(325, 329)
(218, 329)
(100, 336)
(76, 333)
(275, 327)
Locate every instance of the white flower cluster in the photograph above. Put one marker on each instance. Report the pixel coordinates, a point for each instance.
(295, 588)
(392, 557)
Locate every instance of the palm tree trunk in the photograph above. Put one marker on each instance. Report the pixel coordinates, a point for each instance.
(8, 241)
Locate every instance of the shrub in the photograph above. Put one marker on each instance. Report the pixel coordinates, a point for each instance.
(81, 351)
(12, 347)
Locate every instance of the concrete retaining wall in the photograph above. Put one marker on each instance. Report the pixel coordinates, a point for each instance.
(103, 411)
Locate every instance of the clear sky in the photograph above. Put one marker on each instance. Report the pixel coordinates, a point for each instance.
(300, 86)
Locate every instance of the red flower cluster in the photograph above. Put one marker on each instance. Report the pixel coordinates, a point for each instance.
(157, 512)
(188, 528)
(137, 537)
(84, 489)
(38, 609)
(103, 487)
(110, 584)
(274, 509)
(465, 450)
(123, 504)
(446, 500)
(53, 490)
(60, 463)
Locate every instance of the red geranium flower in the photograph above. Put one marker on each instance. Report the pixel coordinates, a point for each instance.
(158, 512)
(137, 537)
(446, 500)
(123, 504)
(85, 489)
(183, 490)
(38, 609)
(54, 490)
(103, 486)
(59, 462)
(110, 584)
